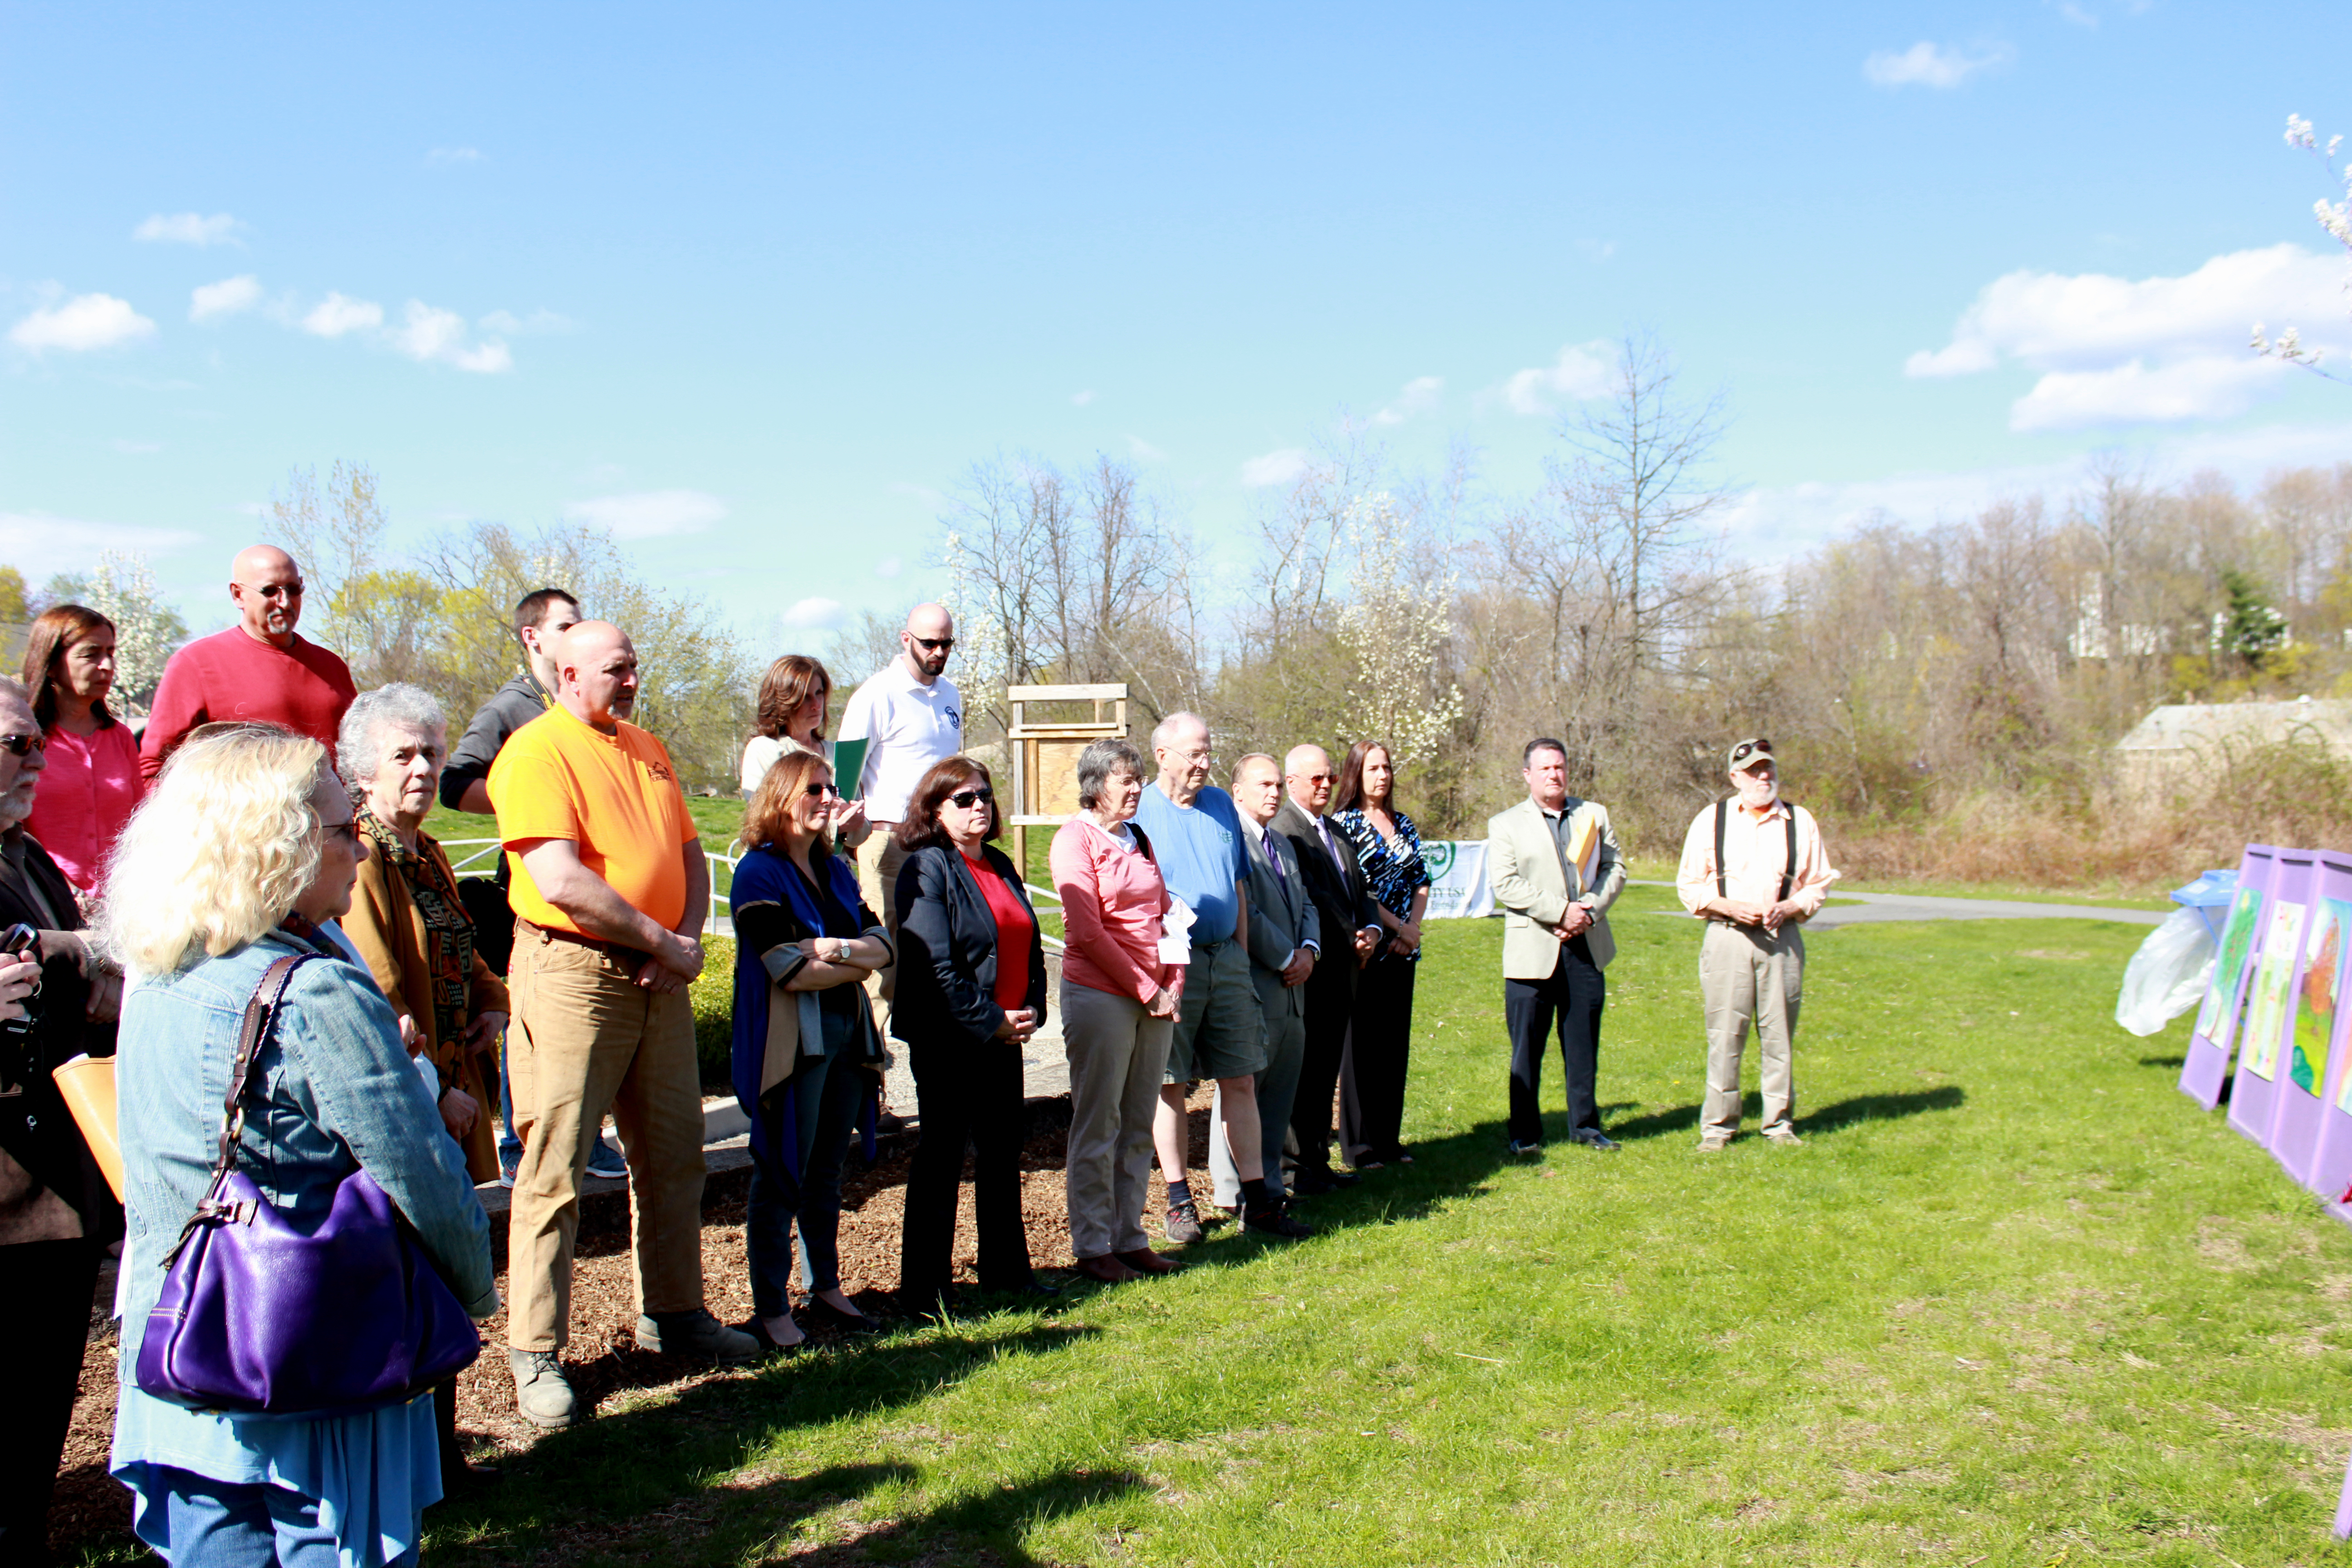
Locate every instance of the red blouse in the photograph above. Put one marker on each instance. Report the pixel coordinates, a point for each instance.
(1016, 932)
(86, 795)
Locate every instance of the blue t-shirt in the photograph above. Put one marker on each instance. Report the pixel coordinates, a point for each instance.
(1200, 856)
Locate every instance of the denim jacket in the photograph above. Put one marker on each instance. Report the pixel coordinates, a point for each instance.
(332, 1091)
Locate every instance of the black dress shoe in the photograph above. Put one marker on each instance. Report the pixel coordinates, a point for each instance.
(1311, 1185)
(832, 1316)
(1595, 1139)
(1275, 1223)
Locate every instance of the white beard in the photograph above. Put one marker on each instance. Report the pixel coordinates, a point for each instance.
(1757, 796)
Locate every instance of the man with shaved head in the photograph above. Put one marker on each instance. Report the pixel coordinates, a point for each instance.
(1343, 903)
(910, 716)
(259, 668)
(609, 893)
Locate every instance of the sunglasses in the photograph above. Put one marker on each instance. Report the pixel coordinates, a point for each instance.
(820, 791)
(1747, 749)
(19, 744)
(276, 590)
(933, 644)
(965, 798)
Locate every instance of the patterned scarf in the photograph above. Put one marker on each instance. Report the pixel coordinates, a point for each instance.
(448, 933)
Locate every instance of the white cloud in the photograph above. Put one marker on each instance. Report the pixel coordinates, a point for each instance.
(337, 314)
(441, 157)
(1082, 398)
(85, 321)
(1419, 396)
(428, 334)
(2076, 14)
(649, 514)
(815, 614)
(226, 297)
(1599, 249)
(1583, 371)
(189, 229)
(41, 545)
(2125, 351)
(1277, 467)
(887, 567)
(1931, 64)
(1143, 451)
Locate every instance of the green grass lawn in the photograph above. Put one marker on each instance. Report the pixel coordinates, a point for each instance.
(2017, 1301)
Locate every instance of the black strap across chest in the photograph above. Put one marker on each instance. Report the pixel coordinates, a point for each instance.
(1788, 878)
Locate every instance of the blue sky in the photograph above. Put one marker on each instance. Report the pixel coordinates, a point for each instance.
(757, 285)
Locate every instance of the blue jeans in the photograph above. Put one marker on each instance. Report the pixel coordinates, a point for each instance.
(219, 1524)
(829, 1092)
(509, 1146)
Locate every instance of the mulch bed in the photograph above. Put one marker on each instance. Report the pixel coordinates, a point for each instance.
(603, 1358)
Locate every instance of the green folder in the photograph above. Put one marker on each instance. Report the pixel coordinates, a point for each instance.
(848, 762)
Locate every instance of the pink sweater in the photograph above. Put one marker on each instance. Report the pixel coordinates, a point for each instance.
(229, 675)
(1112, 899)
(86, 795)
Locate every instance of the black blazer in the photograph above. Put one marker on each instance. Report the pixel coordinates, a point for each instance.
(1343, 898)
(41, 1145)
(947, 950)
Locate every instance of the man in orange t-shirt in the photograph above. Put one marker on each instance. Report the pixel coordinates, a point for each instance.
(610, 888)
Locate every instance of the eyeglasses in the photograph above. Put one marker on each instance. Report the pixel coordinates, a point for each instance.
(348, 828)
(965, 798)
(933, 644)
(1747, 749)
(19, 744)
(820, 791)
(275, 589)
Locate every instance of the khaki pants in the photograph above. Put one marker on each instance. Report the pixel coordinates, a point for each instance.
(1746, 975)
(878, 879)
(1116, 1052)
(586, 1038)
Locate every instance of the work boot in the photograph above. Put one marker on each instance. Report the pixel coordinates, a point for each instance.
(542, 1393)
(697, 1334)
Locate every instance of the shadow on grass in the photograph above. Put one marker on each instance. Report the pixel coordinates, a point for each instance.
(597, 1482)
(1881, 1108)
(2163, 1061)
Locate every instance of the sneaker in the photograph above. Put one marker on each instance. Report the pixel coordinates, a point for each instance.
(605, 1162)
(1712, 1146)
(1784, 1137)
(1182, 1224)
(1275, 1223)
(542, 1393)
(1519, 1148)
(697, 1334)
(506, 1174)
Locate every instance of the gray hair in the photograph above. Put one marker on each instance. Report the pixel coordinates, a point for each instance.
(1100, 760)
(1167, 727)
(1247, 758)
(357, 753)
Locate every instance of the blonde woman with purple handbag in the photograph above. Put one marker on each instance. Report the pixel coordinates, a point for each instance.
(266, 1102)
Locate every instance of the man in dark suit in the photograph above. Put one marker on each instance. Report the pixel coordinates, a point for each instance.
(1285, 945)
(1343, 903)
(56, 1213)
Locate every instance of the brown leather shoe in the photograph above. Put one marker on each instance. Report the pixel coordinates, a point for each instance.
(1108, 1269)
(1143, 1260)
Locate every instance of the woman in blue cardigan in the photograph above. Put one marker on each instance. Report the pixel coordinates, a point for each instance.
(971, 991)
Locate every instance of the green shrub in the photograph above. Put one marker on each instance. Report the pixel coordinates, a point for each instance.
(713, 992)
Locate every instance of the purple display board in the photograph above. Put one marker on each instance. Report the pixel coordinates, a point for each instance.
(2208, 1065)
(2270, 995)
(2311, 1064)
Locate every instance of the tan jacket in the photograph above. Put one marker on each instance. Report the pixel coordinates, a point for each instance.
(386, 927)
(1523, 868)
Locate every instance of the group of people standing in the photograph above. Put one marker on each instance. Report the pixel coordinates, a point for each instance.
(1264, 938)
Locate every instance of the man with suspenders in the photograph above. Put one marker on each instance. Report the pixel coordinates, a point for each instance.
(1753, 867)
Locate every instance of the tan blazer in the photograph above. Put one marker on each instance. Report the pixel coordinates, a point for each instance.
(386, 927)
(1523, 868)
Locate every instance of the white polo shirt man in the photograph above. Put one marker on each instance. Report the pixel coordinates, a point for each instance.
(911, 716)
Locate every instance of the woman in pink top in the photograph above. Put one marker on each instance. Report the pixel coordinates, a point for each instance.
(92, 780)
(1118, 1012)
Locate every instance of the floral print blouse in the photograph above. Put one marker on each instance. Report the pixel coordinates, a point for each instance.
(1394, 870)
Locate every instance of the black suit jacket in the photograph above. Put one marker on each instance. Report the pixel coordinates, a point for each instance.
(947, 951)
(40, 1147)
(1343, 899)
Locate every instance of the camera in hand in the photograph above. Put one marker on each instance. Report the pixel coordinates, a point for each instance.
(17, 1063)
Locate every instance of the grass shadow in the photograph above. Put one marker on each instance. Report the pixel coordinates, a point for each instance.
(987, 1528)
(1881, 1108)
(2163, 1061)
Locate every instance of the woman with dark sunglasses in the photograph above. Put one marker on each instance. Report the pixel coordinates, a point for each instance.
(971, 990)
(806, 1055)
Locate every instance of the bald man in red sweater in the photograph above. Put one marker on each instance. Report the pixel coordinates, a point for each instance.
(257, 668)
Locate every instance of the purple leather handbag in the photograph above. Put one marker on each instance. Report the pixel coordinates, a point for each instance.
(259, 1315)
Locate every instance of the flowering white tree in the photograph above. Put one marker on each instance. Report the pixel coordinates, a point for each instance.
(2336, 217)
(1396, 621)
(146, 629)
